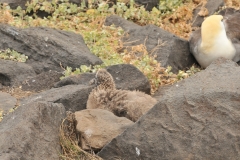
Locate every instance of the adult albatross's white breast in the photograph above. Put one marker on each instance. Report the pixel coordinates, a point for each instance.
(218, 37)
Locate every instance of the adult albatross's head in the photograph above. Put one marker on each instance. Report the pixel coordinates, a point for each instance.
(217, 38)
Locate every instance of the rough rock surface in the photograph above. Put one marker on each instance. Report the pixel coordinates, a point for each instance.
(73, 97)
(84, 79)
(46, 48)
(98, 127)
(42, 81)
(126, 77)
(173, 51)
(14, 72)
(7, 102)
(212, 6)
(31, 132)
(197, 118)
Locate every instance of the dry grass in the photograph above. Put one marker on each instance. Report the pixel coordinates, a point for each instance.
(6, 16)
(138, 54)
(233, 4)
(178, 22)
(69, 139)
(17, 92)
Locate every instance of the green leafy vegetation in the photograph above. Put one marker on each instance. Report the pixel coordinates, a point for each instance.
(167, 6)
(9, 54)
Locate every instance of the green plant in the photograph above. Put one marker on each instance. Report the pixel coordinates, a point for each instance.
(9, 54)
(185, 74)
(167, 6)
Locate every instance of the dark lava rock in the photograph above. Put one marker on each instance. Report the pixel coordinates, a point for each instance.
(73, 97)
(7, 102)
(32, 132)
(197, 118)
(169, 49)
(42, 81)
(46, 48)
(84, 79)
(126, 77)
(12, 72)
(121, 22)
(212, 6)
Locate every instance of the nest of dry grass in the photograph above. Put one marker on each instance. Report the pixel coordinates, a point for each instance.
(69, 141)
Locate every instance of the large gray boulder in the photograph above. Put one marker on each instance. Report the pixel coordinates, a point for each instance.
(169, 49)
(46, 48)
(73, 97)
(13, 73)
(32, 132)
(197, 118)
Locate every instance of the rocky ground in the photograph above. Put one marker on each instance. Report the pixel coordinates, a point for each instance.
(196, 118)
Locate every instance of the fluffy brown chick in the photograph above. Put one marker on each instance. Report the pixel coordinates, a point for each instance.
(123, 103)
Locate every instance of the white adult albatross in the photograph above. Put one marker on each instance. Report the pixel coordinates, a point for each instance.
(219, 37)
